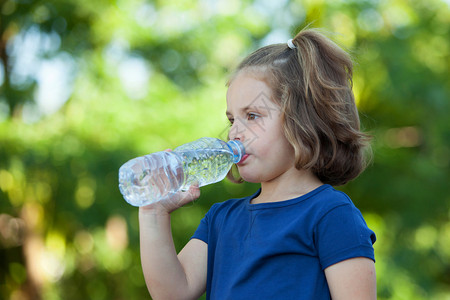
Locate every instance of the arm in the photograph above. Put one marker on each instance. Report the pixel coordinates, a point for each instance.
(352, 279)
(167, 275)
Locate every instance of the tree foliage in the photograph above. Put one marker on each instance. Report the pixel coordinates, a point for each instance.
(87, 85)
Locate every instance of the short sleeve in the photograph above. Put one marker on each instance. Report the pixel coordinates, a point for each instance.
(202, 230)
(343, 234)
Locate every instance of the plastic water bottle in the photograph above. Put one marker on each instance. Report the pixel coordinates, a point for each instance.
(154, 177)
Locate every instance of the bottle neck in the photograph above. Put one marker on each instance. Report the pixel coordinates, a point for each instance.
(238, 150)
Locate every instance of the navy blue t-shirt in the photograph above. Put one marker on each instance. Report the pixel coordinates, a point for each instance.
(279, 250)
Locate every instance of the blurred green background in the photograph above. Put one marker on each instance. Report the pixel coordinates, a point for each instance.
(86, 85)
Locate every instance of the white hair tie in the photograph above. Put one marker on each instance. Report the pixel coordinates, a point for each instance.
(290, 44)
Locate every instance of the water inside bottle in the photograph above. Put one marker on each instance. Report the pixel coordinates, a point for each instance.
(206, 167)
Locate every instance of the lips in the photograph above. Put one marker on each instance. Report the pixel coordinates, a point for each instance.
(243, 159)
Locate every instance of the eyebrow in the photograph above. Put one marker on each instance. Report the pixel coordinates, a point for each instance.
(228, 113)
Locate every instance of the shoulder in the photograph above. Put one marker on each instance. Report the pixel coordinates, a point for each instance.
(229, 205)
(218, 214)
(335, 209)
(333, 197)
(328, 199)
(339, 216)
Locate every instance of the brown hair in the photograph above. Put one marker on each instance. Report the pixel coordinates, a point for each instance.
(313, 86)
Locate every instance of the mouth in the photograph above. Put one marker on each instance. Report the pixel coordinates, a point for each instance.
(244, 158)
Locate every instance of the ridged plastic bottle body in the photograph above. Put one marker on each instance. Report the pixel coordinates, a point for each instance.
(150, 178)
(154, 177)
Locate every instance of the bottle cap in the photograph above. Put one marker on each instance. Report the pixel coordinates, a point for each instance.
(238, 150)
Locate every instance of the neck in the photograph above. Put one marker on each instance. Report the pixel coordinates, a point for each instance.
(289, 185)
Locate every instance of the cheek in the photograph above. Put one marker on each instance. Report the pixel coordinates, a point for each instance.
(275, 139)
(284, 150)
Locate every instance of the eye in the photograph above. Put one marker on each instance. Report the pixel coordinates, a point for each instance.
(252, 116)
(231, 120)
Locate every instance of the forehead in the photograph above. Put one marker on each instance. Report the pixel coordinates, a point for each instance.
(247, 90)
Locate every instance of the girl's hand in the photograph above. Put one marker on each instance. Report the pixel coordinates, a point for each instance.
(173, 201)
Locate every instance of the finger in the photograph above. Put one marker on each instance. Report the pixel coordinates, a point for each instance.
(188, 196)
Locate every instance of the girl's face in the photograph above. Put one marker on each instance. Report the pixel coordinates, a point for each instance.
(257, 122)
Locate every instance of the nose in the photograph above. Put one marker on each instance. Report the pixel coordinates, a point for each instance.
(237, 131)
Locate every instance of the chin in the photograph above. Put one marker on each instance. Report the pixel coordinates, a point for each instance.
(250, 178)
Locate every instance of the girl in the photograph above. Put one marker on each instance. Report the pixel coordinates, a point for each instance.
(297, 237)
